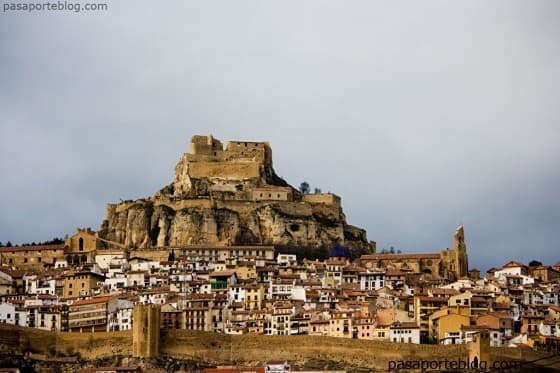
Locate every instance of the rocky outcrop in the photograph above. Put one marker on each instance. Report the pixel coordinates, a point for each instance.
(229, 196)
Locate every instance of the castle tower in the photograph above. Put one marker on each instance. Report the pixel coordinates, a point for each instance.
(479, 350)
(145, 331)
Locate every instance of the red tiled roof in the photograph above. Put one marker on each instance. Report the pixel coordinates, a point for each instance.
(404, 325)
(400, 256)
(221, 273)
(513, 264)
(103, 299)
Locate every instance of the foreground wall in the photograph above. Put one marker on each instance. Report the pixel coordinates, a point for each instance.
(218, 349)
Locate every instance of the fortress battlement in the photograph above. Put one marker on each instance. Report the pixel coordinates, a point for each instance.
(209, 149)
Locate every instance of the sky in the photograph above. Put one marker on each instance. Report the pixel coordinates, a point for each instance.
(422, 116)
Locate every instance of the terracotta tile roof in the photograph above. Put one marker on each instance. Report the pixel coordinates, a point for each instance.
(400, 256)
(513, 264)
(15, 273)
(479, 299)
(103, 299)
(425, 298)
(221, 273)
(444, 291)
(404, 325)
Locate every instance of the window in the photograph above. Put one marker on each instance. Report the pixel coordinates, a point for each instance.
(25, 260)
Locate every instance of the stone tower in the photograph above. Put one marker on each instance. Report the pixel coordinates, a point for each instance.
(454, 261)
(479, 350)
(460, 253)
(145, 331)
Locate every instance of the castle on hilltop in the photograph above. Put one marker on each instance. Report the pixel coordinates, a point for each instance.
(230, 195)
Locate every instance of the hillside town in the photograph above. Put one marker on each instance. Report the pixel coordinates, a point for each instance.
(83, 287)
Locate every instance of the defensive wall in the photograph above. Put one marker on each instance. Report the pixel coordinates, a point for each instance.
(221, 349)
(209, 149)
(237, 170)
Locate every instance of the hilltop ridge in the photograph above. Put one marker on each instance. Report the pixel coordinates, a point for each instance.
(230, 195)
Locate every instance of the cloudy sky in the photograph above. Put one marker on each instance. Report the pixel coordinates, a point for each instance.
(421, 115)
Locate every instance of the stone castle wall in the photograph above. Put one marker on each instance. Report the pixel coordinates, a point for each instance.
(207, 149)
(221, 349)
(224, 170)
(326, 198)
(229, 195)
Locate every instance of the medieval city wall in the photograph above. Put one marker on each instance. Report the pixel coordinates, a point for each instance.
(213, 348)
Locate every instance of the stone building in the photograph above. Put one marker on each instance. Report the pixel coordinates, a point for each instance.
(88, 315)
(81, 284)
(449, 263)
(30, 257)
(145, 331)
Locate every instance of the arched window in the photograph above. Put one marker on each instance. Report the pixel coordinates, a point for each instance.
(84, 259)
(69, 259)
(81, 244)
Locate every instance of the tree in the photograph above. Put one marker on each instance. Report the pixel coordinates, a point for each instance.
(392, 250)
(317, 190)
(171, 257)
(8, 244)
(534, 263)
(304, 187)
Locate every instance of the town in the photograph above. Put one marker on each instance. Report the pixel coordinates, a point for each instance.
(89, 285)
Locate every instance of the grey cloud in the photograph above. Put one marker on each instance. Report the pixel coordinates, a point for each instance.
(422, 116)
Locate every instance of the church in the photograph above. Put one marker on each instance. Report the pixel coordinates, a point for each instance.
(449, 263)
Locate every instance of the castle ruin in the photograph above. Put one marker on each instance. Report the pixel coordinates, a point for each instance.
(230, 195)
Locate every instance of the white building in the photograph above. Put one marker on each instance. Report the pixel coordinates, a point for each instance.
(153, 297)
(7, 313)
(404, 332)
(286, 259)
(371, 280)
(119, 314)
(236, 293)
(116, 283)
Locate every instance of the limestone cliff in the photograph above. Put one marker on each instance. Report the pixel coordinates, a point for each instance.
(230, 196)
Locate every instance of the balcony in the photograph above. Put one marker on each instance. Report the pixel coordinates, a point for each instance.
(218, 285)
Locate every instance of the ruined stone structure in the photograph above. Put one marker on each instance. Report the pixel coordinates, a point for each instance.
(449, 263)
(145, 330)
(230, 196)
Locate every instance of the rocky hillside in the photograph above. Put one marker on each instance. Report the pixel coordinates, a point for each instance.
(230, 196)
